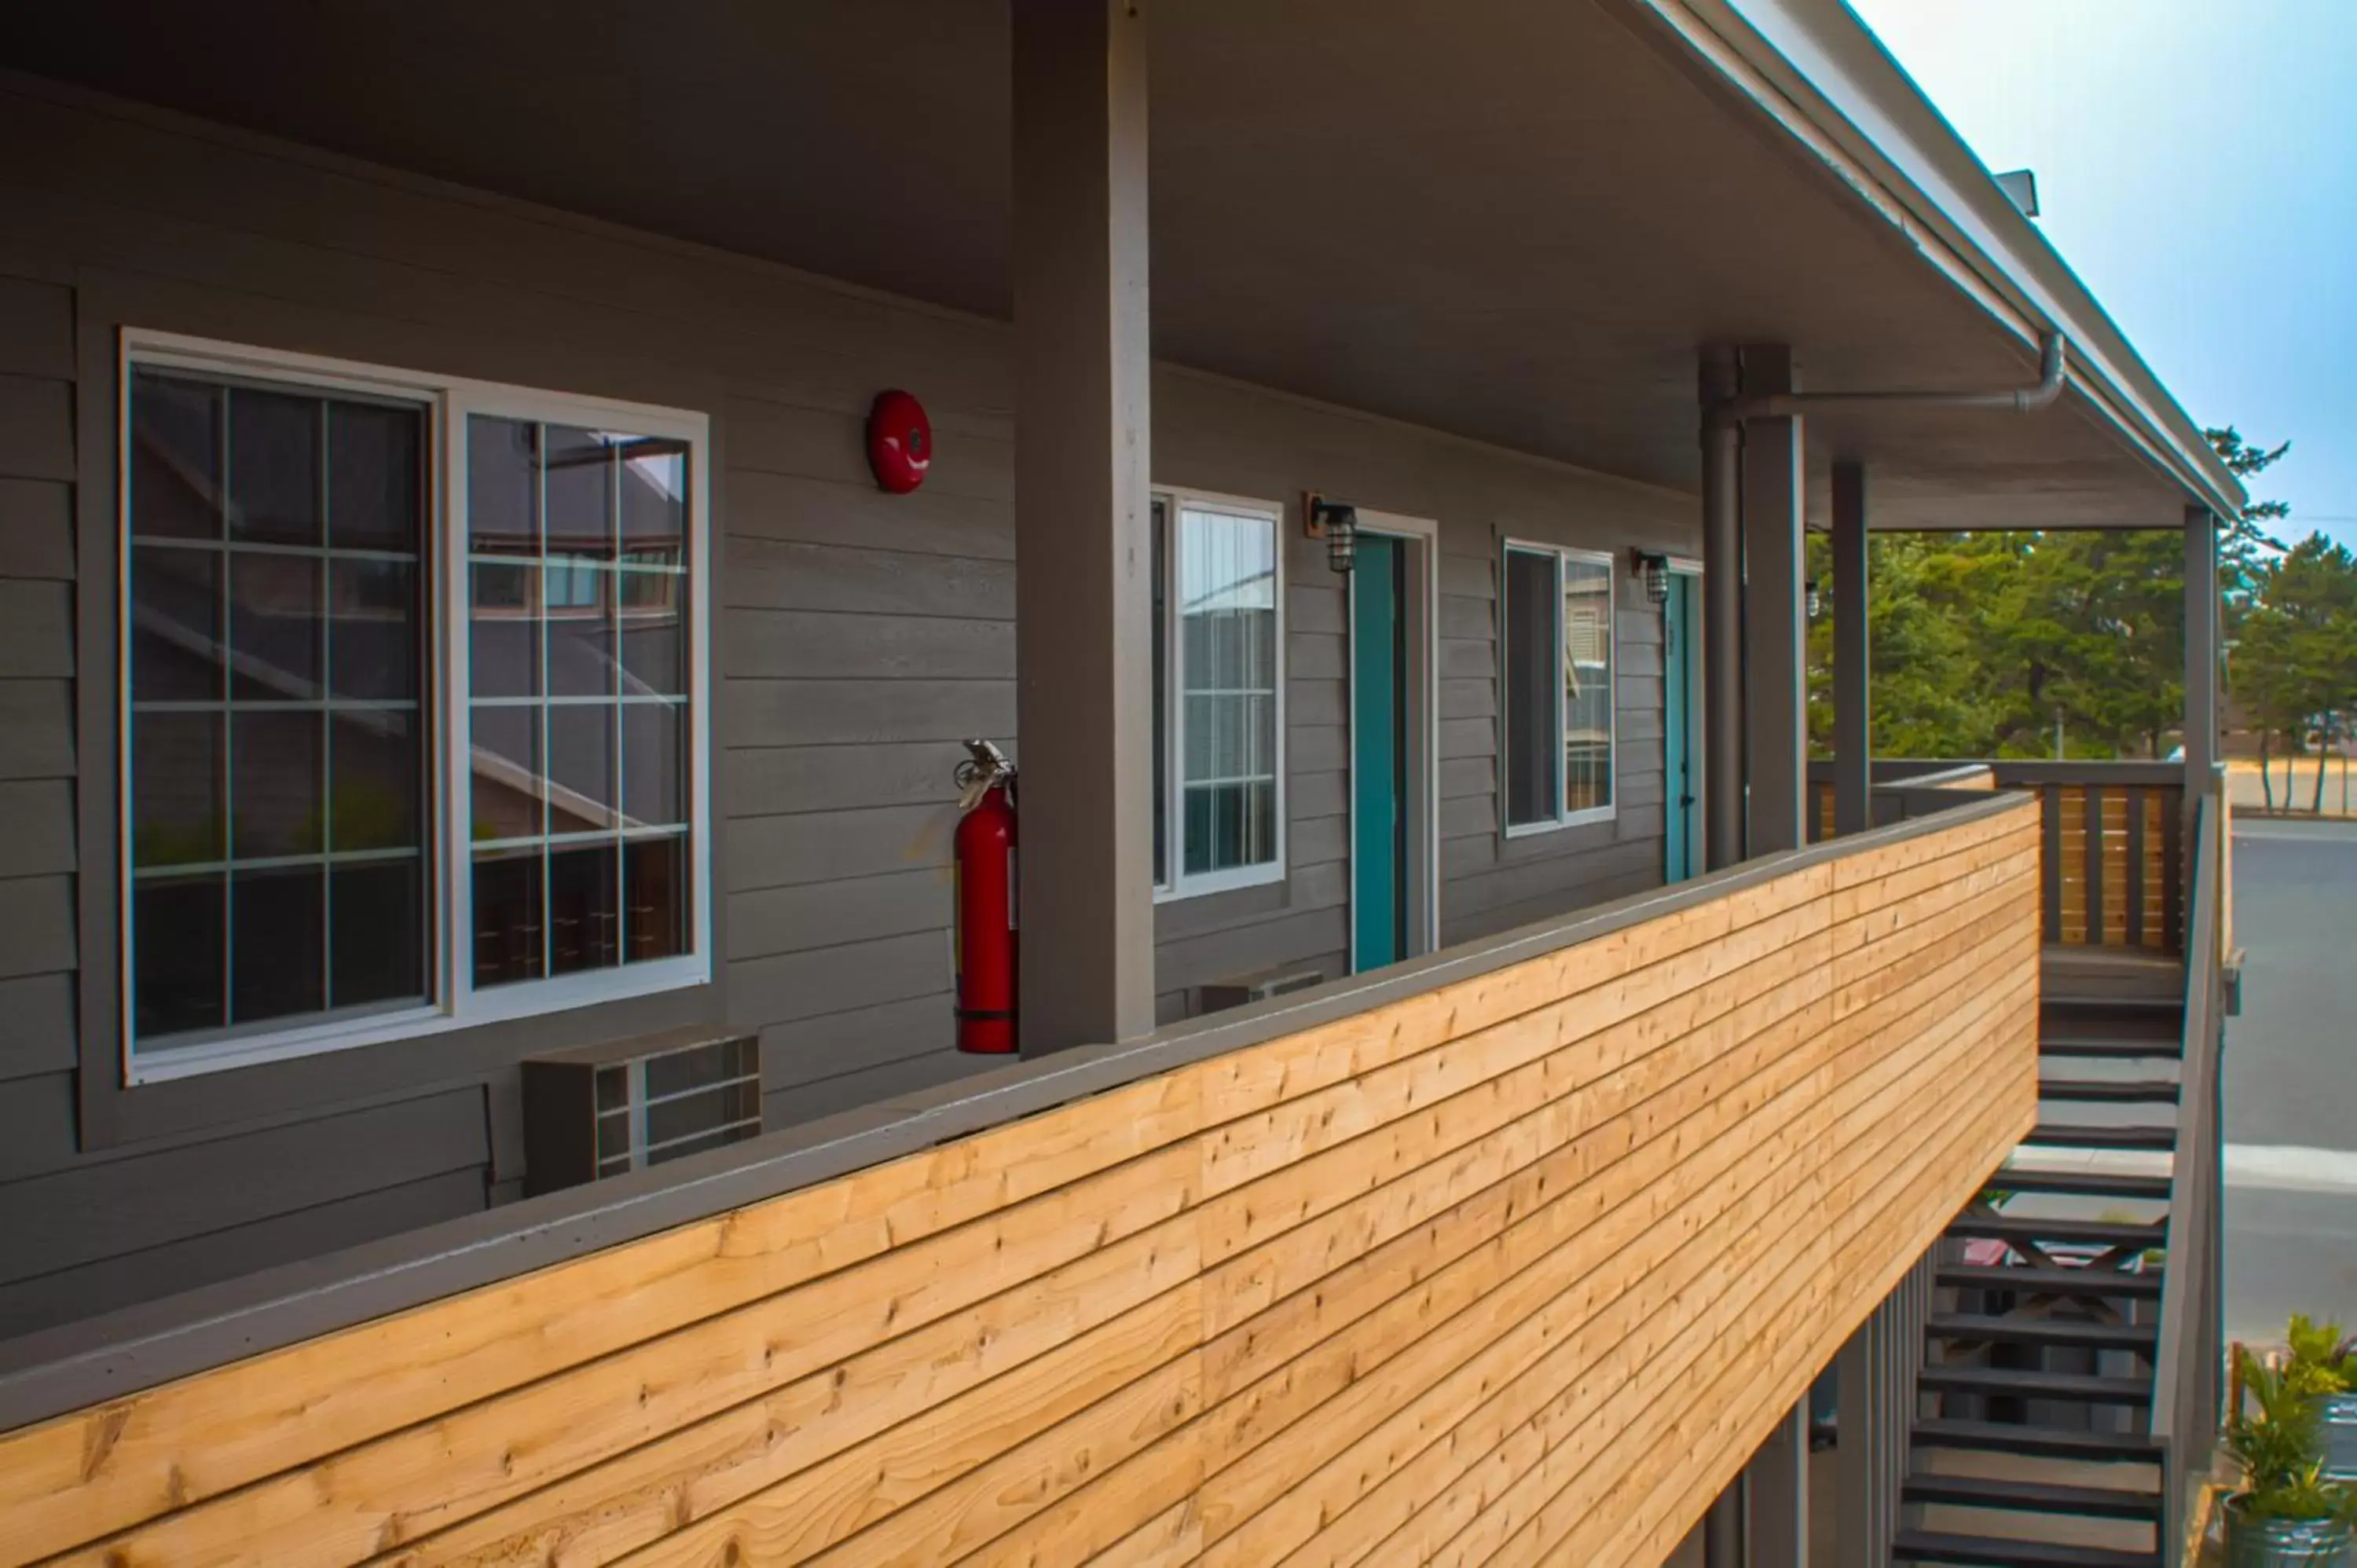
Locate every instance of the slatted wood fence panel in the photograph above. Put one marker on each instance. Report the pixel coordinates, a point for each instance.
(2116, 872)
(1519, 1269)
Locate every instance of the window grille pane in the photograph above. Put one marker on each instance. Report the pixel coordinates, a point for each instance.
(179, 930)
(370, 899)
(177, 778)
(175, 458)
(375, 470)
(655, 872)
(1587, 684)
(277, 784)
(654, 765)
(1227, 663)
(277, 926)
(505, 768)
(1528, 716)
(260, 789)
(579, 681)
(654, 501)
(176, 618)
(503, 631)
(373, 630)
(273, 468)
(581, 768)
(582, 908)
(377, 765)
(503, 486)
(510, 943)
(651, 619)
(274, 628)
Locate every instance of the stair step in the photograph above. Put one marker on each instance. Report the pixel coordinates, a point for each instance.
(2111, 1046)
(2064, 1134)
(2044, 1442)
(2032, 1497)
(2021, 1328)
(2111, 1006)
(2020, 1229)
(2050, 1281)
(2005, 1383)
(2112, 1092)
(2080, 1183)
(1984, 1551)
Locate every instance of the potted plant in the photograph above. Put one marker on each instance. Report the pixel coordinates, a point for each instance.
(2287, 1514)
(2323, 1368)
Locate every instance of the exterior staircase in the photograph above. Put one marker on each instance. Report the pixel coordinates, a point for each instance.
(2040, 1359)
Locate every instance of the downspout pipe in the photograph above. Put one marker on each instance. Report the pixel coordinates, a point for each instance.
(2052, 373)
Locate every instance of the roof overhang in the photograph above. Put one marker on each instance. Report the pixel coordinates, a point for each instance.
(1516, 222)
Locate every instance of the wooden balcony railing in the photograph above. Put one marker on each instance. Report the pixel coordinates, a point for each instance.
(2113, 835)
(1514, 1252)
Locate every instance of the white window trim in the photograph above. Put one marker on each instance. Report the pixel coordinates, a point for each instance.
(1611, 811)
(1171, 882)
(448, 401)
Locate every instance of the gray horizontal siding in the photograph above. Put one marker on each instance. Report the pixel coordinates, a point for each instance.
(108, 1208)
(36, 530)
(225, 1253)
(859, 637)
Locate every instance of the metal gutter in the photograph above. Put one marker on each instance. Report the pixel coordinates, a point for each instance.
(88, 1362)
(2053, 373)
(1815, 70)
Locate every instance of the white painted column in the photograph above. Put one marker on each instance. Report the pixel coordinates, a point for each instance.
(1083, 470)
(1775, 620)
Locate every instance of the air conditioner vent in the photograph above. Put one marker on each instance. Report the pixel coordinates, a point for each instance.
(601, 1111)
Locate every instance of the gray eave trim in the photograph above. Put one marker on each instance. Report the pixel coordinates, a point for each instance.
(1822, 63)
(86, 1363)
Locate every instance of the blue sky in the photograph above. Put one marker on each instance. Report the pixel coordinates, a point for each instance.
(2196, 166)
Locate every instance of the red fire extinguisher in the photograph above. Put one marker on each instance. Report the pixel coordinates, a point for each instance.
(984, 860)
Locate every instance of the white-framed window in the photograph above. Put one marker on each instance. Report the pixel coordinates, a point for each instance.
(1218, 694)
(415, 703)
(1557, 714)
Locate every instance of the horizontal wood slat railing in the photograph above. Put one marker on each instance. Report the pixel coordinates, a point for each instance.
(2115, 859)
(1521, 1267)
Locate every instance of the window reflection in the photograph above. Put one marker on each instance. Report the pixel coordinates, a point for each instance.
(276, 760)
(578, 684)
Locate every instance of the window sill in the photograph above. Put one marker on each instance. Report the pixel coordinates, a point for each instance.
(164, 1063)
(1576, 819)
(1220, 882)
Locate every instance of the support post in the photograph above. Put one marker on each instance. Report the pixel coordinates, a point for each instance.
(1722, 628)
(1775, 621)
(1083, 596)
(1852, 721)
(1776, 1492)
(2202, 616)
(1722, 1528)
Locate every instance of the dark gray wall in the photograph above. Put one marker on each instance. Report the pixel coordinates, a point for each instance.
(860, 637)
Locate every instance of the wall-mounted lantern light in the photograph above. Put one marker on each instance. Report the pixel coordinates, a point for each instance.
(1335, 522)
(1653, 571)
(1816, 601)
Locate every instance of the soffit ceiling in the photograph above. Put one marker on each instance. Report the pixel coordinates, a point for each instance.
(1509, 219)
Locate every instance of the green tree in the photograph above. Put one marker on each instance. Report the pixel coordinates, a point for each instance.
(2296, 665)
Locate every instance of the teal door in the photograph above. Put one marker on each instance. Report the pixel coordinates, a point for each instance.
(1379, 752)
(1680, 794)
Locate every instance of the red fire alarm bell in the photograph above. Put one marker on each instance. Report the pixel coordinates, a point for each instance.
(900, 441)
